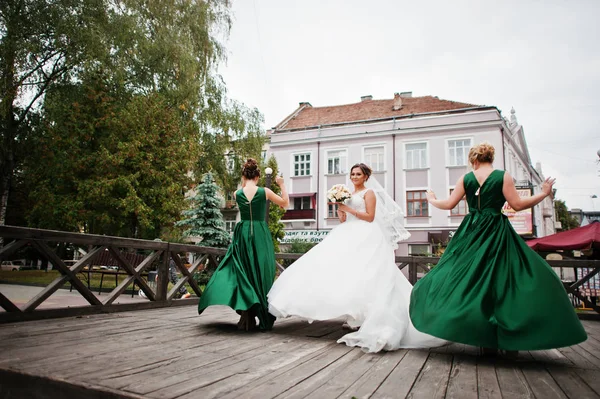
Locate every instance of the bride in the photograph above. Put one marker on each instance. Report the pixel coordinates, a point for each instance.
(352, 274)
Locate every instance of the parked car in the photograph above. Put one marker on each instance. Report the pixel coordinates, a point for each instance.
(11, 265)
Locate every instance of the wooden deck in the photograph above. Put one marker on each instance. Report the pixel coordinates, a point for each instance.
(174, 353)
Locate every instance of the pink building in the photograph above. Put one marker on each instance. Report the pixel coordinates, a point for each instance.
(412, 144)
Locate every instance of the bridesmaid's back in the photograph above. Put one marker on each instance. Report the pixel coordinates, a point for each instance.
(487, 196)
(255, 209)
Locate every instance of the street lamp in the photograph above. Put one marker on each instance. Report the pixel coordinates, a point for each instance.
(268, 174)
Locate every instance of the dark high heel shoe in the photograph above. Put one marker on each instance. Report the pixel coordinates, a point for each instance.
(488, 352)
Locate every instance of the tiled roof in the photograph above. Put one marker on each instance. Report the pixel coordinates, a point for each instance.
(309, 116)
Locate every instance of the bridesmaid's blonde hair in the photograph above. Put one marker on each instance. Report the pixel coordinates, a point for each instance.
(483, 152)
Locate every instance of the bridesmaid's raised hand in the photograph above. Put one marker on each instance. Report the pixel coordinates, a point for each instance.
(431, 196)
(547, 186)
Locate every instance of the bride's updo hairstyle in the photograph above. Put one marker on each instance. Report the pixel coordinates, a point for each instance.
(250, 170)
(482, 153)
(365, 169)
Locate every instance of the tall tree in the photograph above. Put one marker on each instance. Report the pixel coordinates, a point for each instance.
(126, 121)
(567, 221)
(109, 168)
(41, 42)
(204, 219)
(229, 141)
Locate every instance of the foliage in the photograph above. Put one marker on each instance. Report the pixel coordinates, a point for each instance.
(300, 247)
(106, 107)
(228, 142)
(275, 211)
(41, 42)
(107, 168)
(204, 219)
(297, 246)
(567, 221)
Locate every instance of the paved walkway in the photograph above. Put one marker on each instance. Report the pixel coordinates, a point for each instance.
(63, 298)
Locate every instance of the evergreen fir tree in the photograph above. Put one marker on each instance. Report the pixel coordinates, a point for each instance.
(204, 218)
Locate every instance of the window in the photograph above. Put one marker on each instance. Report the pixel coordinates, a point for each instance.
(461, 209)
(230, 162)
(303, 207)
(263, 155)
(303, 203)
(374, 158)
(416, 203)
(416, 156)
(336, 162)
(302, 164)
(458, 152)
(418, 249)
(331, 211)
(230, 225)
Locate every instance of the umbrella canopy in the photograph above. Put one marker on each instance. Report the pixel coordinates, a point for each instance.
(580, 238)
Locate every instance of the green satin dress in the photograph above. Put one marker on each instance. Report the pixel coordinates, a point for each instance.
(247, 271)
(490, 289)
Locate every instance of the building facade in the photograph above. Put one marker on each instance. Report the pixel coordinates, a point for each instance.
(412, 144)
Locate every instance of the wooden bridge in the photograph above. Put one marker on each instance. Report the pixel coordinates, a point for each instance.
(109, 350)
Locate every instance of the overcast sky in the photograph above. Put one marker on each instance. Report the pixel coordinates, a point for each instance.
(540, 57)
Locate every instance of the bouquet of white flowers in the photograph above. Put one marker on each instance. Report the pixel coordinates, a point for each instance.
(339, 193)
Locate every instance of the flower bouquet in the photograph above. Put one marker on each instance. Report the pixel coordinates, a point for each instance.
(339, 194)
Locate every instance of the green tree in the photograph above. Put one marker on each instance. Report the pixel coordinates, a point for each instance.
(204, 219)
(107, 168)
(567, 221)
(41, 42)
(136, 106)
(229, 142)
(275, 211)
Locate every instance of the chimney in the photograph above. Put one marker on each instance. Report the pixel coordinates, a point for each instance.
(406, 94)
(305, 104)
(397, 102)
(366, 98)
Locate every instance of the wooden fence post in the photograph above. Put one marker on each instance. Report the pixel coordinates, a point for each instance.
(162, 276)
(412, 271)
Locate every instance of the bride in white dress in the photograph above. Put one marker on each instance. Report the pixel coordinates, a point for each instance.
(352, 274)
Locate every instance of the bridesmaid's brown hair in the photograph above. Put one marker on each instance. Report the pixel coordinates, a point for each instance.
(250, 170)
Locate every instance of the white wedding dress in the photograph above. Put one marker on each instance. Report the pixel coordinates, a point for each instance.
(352, 274)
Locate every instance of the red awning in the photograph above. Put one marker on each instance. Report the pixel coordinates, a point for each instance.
(580, 238)
(293, 195)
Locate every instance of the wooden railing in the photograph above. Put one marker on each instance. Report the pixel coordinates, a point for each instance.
(158, 253)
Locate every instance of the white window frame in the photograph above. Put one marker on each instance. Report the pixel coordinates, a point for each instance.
(411, 246)
(230, 162)
(465, 151)
(230, 225)
(412, 166)
(342, 159)
(331, 211)
(370, 162)
(304, 162)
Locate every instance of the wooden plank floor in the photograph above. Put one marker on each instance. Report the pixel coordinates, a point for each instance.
(174, 353)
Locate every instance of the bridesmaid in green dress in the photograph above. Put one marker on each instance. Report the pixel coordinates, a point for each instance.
(247, 271)
(490, 289)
